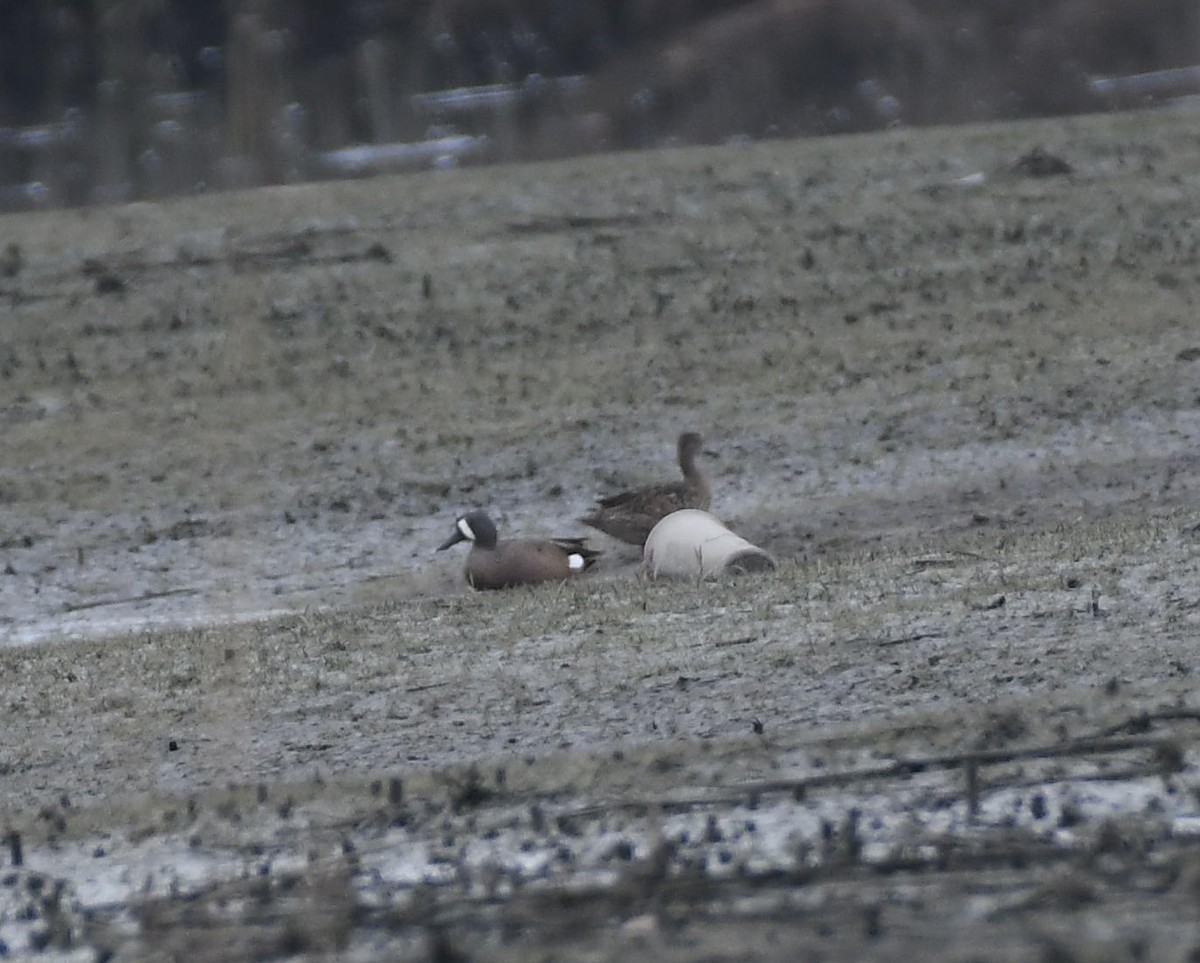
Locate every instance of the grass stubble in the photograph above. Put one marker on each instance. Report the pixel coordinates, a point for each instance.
(962, 417)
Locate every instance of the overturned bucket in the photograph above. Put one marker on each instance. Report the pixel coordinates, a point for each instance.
(694, 544)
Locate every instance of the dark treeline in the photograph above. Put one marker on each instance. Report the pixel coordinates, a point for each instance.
(148, 97)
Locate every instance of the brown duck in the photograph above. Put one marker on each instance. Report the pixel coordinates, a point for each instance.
(630, 515)
(497, 564)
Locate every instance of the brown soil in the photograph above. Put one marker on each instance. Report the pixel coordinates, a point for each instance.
(954, 390)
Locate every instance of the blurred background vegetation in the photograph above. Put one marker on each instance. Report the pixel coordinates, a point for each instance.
(111, 100)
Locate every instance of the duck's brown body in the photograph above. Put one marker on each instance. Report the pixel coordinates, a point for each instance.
(629, 516)
(496, 564)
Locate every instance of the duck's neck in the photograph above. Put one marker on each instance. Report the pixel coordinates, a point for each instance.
(692, 474)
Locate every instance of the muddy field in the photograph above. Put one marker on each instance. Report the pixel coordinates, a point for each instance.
(953, 378)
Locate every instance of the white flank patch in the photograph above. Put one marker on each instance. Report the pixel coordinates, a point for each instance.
(575, 562)
(465, 528)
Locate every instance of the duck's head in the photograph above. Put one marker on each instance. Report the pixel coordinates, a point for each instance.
(690, 446)
(474, 527)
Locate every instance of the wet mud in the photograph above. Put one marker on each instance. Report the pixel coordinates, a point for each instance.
(952, 379)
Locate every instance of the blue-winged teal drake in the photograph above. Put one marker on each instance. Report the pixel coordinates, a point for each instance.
(496, 564)
(630, 515)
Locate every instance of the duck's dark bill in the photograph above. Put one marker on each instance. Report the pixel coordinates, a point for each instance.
(452, 540)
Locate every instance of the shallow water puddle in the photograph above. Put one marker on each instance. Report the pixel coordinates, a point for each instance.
(121, 586)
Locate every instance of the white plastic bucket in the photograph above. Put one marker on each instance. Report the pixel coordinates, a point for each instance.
(694, 544)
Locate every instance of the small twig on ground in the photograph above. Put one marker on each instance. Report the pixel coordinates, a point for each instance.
(147, 597)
